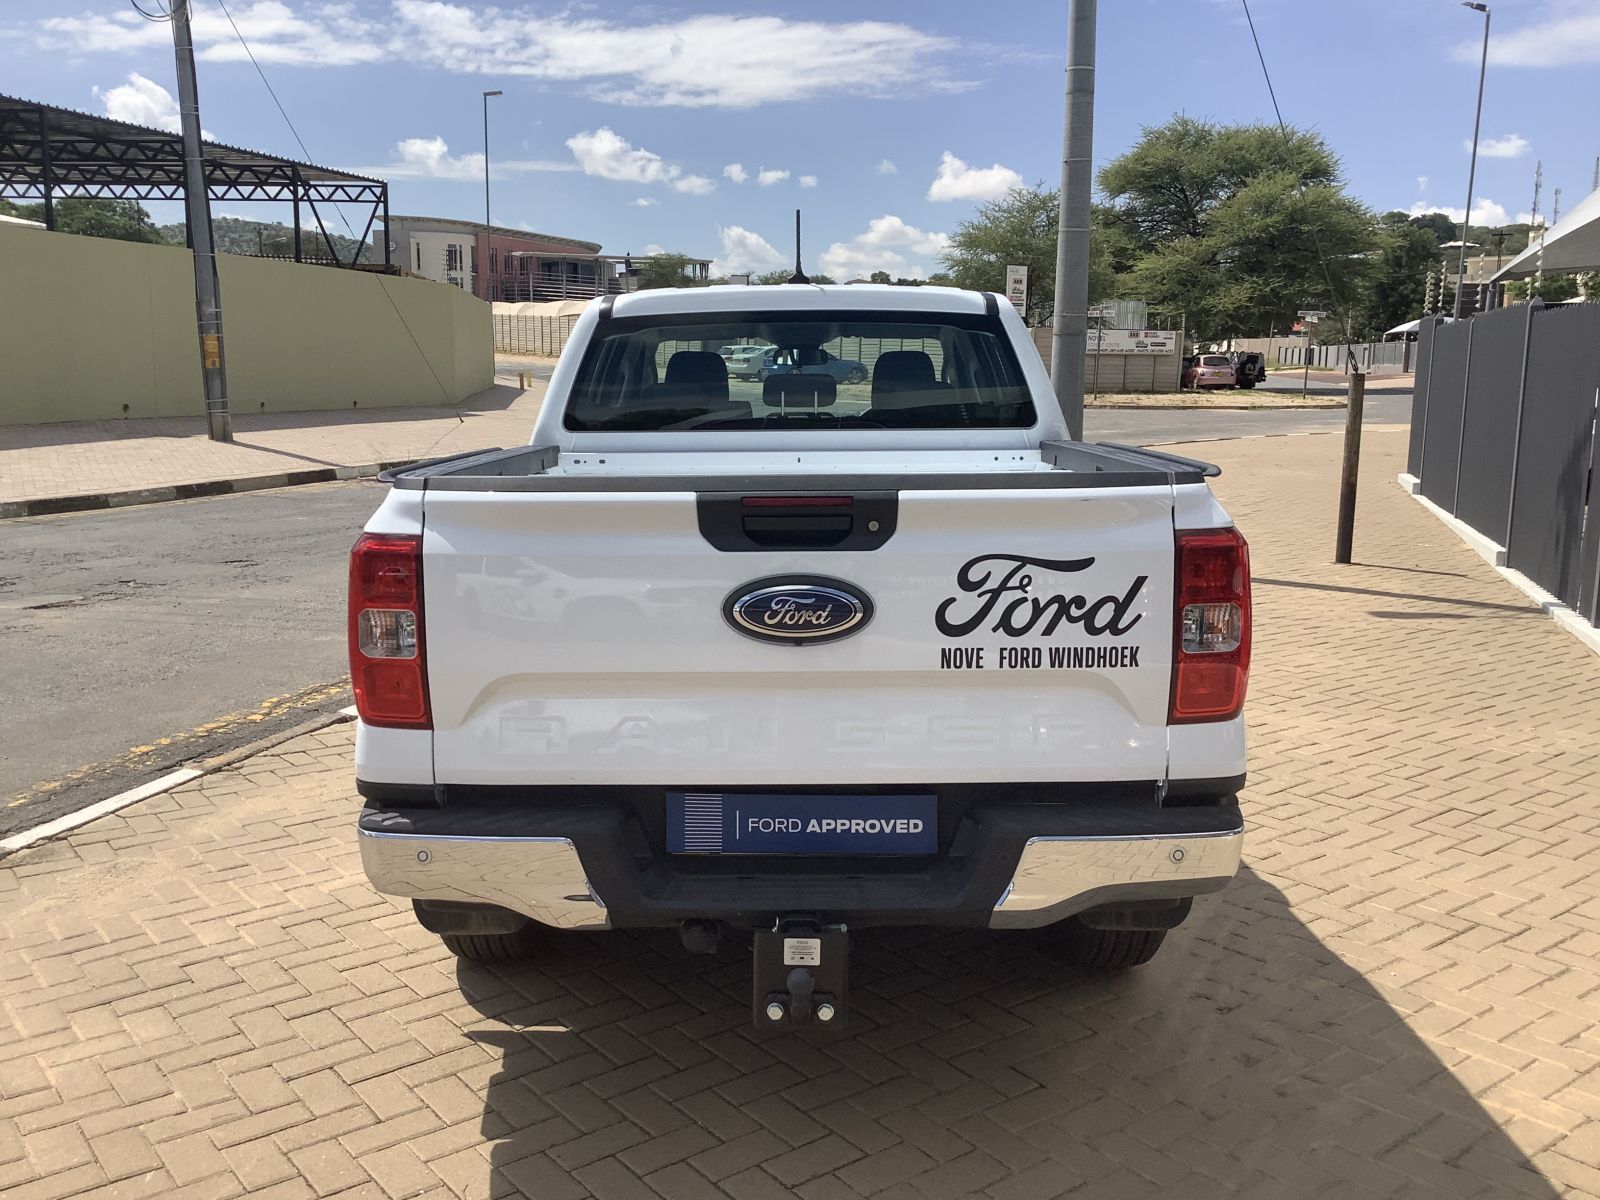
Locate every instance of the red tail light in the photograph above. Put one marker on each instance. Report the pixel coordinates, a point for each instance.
(388, 663)
(1211, 642)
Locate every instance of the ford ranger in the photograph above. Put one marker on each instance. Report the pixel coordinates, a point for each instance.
(777, 659)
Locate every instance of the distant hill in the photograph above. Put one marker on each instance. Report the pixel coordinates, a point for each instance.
(235, 235)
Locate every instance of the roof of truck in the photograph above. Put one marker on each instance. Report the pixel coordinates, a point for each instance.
(788, 296)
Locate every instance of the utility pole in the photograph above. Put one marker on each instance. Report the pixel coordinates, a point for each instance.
(1472, 171)
(1351, 468)
(197, 210)
(1069, 345)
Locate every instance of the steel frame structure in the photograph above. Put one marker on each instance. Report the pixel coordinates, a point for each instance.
(47, 153)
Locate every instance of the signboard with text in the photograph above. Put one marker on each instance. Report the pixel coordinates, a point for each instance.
(1133, 341)
(1017, 288)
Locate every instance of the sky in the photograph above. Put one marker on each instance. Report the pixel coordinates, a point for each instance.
(700, 127)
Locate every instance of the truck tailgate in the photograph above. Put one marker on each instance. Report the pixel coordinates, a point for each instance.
(1016, 634)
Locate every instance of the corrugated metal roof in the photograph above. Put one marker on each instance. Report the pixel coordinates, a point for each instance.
(21, 130)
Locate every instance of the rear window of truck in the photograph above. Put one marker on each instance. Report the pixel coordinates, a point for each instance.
(805, 370)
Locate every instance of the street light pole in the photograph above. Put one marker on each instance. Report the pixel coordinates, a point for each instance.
(483, 267)
(1472, 171)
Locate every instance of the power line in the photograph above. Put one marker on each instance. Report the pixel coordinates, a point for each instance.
(348, 228)
(1322, 258)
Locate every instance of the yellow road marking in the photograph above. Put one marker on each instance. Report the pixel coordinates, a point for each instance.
(274, 706)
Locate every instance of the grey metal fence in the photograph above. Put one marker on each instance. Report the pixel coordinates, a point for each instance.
(1374, 358)
(1503, 437)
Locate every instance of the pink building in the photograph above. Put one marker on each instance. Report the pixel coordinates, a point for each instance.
(498, 263)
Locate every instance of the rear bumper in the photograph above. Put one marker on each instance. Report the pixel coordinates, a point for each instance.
(1005, 866)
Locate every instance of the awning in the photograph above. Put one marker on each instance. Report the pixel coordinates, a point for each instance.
(1409, 327)
(1571, 244)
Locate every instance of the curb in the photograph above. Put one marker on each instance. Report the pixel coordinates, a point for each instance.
(1215, 407)
(102, 808)
(50, 505)
(1495, 555)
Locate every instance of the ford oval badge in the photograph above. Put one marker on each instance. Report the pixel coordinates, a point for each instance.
(797, 609)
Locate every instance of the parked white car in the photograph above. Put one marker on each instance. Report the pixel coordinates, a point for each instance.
(781, 660)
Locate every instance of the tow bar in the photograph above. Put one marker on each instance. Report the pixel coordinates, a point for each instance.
(801, 974)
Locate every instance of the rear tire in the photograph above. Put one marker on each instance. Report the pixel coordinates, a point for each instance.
(494, 947)
(1108, 949)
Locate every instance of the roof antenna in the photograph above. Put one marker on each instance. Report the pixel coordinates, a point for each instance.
(799, 275)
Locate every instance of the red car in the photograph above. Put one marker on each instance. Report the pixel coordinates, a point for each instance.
(1210, 371)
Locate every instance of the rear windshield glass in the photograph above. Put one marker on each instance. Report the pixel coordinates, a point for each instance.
(799, 370)
(1214, 360)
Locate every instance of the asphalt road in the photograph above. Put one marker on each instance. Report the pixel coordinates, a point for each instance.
(141, 639)
(1153, 426)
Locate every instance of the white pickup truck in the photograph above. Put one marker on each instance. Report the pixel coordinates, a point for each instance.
(798, 655)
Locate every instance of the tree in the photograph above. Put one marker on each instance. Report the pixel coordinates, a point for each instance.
(1397, 291)
(1238, 227)
(784, 274)
(880, 277)
(666, 270)
(1439, 225)
(123, 220)
(1019, 228)
(237, 235)
(1552, 289)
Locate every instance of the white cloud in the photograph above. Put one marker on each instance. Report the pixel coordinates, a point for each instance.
(1484, 212)
(142, 101)
(736, 172)
(694, 185)
(645, 202)
(1422, 185)
(768, 177)
(1513, 145)
(430, 158)
(607, 154)
(885, 167)
(957, 181)
(705, 60)
(744, 251)
(808, 181)
(314, 33)
(880, 248)
(1567, 35)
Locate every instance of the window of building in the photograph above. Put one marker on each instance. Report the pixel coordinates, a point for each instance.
(418, 245)
(452, 256)
(494, 261)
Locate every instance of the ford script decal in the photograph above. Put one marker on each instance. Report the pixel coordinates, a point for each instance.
(797, 609)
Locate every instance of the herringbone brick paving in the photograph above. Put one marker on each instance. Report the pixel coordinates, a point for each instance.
(1398, 997)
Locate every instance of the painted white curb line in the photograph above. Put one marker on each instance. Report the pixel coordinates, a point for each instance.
(1495, 555)
(94, 812)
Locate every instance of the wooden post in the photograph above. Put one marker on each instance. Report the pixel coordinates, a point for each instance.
(1351, 468)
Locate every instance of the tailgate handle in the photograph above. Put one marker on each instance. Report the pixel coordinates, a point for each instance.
(797, 533)
(739, 522)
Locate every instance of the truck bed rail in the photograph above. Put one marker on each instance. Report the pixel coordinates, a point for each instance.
(1076, 465)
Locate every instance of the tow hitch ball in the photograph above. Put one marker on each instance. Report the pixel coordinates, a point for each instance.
(801, 974)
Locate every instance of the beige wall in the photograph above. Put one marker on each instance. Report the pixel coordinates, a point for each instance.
(92, 329)
(1120, 372)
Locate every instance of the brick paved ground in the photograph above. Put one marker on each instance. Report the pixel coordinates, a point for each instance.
(1399, 997)
(77, 457)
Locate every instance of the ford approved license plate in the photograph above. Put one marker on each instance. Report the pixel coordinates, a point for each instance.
(774, 823)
